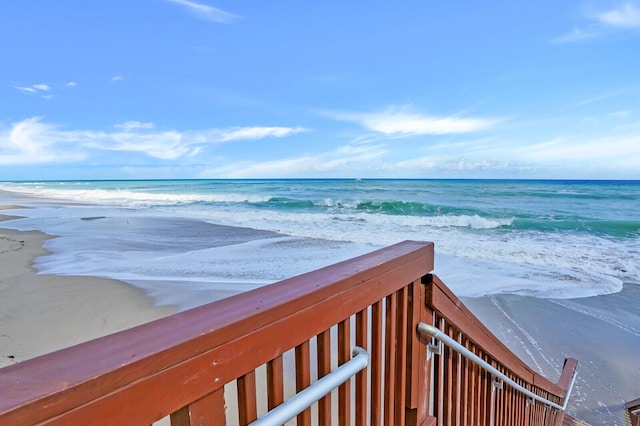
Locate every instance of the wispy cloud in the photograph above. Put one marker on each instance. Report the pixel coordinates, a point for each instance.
(345, 161)
(401, 121)
(40, 88)
(248, 133)
(207, 12)
(30, 142)
(117, 78)
(33, 141)
(624, 17)
(577, 35)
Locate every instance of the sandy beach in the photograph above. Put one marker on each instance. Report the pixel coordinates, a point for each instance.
(40, 313)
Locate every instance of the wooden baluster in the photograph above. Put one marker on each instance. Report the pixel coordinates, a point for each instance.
(209, 410)
(464, 383)
(418, 398)
(376, 363)
(303, 378)
(247, 411)
(391, 329)
(344, 355)
(361, 378)
(324, 368)
(401, 356)
(275, 382)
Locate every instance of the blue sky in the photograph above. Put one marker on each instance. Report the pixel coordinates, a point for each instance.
(261, 89)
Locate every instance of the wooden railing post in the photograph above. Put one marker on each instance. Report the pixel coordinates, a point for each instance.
(418, 385)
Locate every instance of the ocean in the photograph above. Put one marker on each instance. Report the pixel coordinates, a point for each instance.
(187, 242)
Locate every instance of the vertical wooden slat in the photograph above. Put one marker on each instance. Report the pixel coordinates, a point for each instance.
(401, 356)
(376, 363)
(344, 354)
(247, 411)
(449, 389)
(209, 410)
(492, 398)
(456, 371)
(485, 392)
(418, 367)
(472, 400)
(324, 368)
(275, 382)
(303, 378)
(441, 379)
(361, 378)
(464, 384)
(391, 329)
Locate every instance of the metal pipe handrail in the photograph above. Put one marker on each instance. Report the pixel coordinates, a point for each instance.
(447, 340)
(305, 398)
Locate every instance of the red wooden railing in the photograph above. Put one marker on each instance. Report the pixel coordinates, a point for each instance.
(231, 361)
(633, 408)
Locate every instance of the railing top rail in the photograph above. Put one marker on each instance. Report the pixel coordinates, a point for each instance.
(440, 336)
(633, 406)
(60, 381)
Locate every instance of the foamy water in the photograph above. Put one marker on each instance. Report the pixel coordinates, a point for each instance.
(546, 239)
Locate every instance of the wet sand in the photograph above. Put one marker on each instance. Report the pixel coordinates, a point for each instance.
(40, 313)
(601, 332)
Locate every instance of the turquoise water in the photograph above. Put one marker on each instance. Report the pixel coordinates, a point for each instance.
(543, 238)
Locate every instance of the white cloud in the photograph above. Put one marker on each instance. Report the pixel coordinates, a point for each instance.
(71, 84)
(35, 88)
(130, 125)
(396, 121)
(26, 89)
(345, 161)
(624, 149)
(620, 114)
(44, 87)
(117, 78)
(626, 16)
(258, 133)
(577, 35)
(33, 141)
(207, 12)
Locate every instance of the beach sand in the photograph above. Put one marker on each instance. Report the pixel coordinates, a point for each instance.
(40, 313)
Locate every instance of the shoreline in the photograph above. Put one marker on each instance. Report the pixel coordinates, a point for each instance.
(42, 313)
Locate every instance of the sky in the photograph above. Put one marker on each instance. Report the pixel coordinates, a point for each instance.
(153, 89)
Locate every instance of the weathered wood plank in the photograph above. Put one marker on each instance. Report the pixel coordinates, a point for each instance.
(303, 378)
(362, 334)
(275, 382)
(324, 367)
(344, 355)
(209, 410)
(247, 408)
